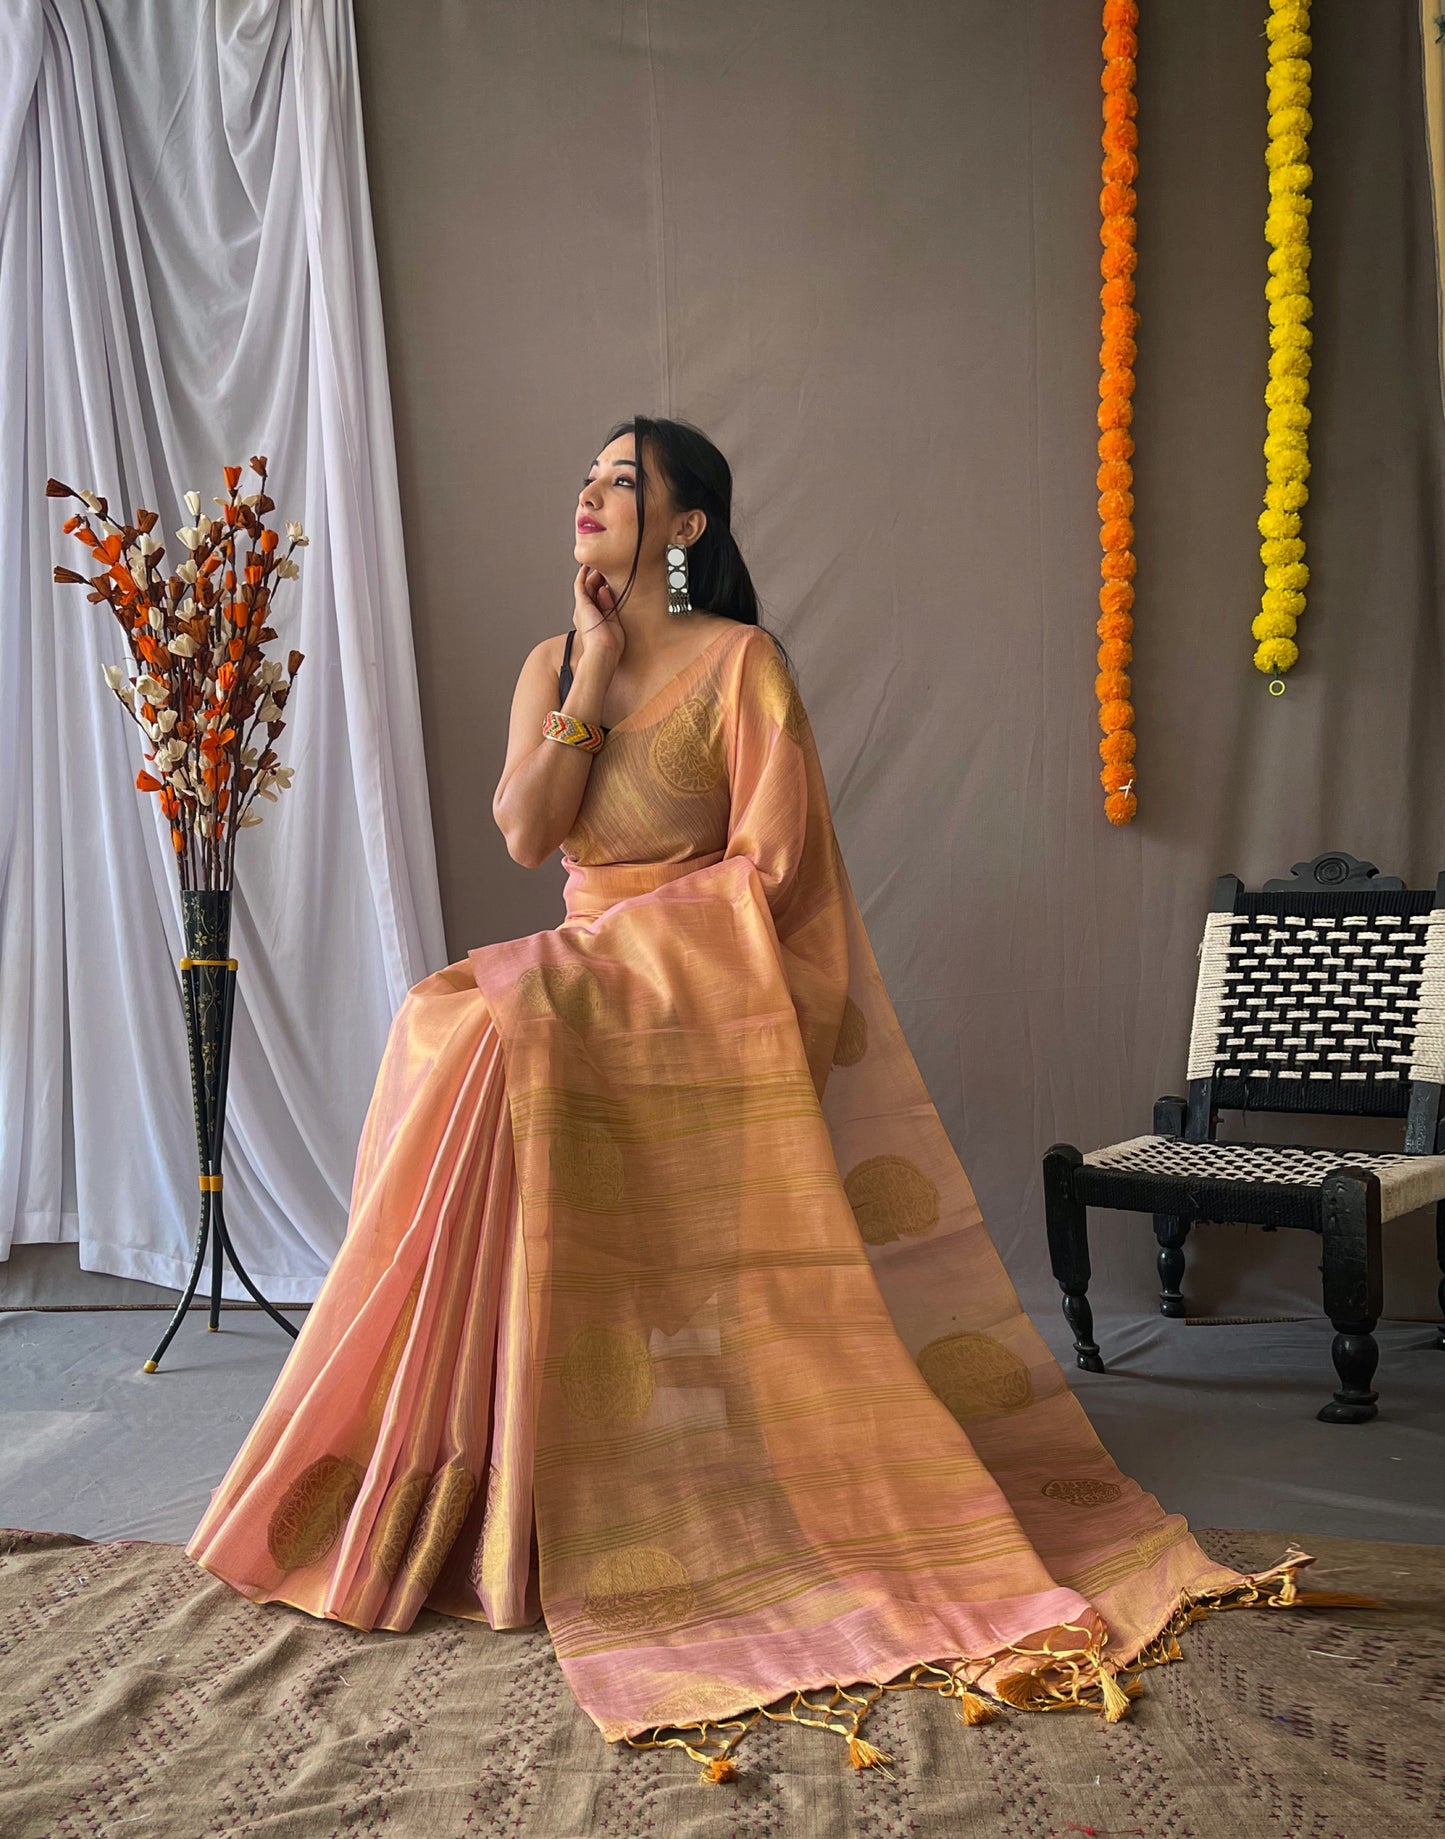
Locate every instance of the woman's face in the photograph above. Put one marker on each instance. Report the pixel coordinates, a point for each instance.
(609, 497)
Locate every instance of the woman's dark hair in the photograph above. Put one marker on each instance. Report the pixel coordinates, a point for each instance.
(697, 478)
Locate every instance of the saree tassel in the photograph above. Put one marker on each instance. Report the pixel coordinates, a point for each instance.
(1337, 1599)
(974, 1708)
(1020, 1689)
(1174, 1651)
(1116, 1699)
(719, 1769)
(864, 1755)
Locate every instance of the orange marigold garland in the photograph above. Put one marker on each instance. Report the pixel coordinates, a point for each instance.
(1119, 169)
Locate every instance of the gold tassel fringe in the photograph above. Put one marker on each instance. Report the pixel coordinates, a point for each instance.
(1052, 1679)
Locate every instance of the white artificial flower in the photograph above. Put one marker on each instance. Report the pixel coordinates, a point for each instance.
(193, 503)
(253, 500)
(270, 671)
(251, 817)
(152, 688)
(188, 571)
(297, 535)
(114, 675)
(166, 719)
(189, 535)
(281, 775)
(91, 499)
(288, 570)
(270, 710)
(183, 645)
(147, 544)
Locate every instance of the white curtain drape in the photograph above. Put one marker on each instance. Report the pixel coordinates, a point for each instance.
(188, 277)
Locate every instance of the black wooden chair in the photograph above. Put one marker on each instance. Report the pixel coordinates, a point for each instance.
(1323, 992)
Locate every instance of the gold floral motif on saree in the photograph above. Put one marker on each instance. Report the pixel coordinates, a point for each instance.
(586, 1164)
(441, 1519)
(396, 1519)
(391, 1360)
(1138, 1555)
(309, 1516)
(779, 695)
(639, 1587)
(608, 1373)
(852, 1035)
(975, 1376)
(687, 749)
(891, 1198)
(1082, 1492)
(713, 1697)
(487, 1569)
(569, 991)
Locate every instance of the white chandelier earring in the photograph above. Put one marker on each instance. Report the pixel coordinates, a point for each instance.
(677, 595)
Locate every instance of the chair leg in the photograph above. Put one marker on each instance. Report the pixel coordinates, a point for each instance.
(1171, 1234)
(1353, 1291)
(1067, 1221)
(1440, 1260)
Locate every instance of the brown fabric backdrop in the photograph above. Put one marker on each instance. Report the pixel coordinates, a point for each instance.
(858, 244)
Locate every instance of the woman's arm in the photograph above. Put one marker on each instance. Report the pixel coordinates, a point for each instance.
(536, 800)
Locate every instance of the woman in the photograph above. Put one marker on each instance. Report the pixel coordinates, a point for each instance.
(665, 1308)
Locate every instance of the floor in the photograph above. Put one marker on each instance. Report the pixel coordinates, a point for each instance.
(1217, 1421)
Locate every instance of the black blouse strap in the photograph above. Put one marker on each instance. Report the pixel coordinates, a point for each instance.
(564, 676)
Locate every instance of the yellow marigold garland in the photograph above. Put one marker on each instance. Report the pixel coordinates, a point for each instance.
(1286, 446)
(1115, 480)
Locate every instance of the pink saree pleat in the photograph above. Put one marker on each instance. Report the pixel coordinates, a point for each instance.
(666, 1308)
(353, 1485)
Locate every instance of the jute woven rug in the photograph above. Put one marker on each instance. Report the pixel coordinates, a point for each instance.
(141, 1696)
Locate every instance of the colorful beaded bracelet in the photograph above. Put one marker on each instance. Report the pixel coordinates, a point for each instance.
(586, 735)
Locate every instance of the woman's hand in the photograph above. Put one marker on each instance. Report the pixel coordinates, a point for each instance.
(594, 615)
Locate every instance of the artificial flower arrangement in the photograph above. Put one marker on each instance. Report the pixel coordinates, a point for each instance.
(1115, 478)
(1286, 447)
(196, 635)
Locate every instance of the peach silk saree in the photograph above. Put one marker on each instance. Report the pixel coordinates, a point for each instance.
(666, 1310)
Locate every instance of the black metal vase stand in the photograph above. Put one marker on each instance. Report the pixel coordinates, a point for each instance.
(208, 992)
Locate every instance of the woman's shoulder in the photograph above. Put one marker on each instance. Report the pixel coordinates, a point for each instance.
(756, 642)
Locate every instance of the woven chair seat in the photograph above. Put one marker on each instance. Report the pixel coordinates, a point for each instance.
(1280, 1181)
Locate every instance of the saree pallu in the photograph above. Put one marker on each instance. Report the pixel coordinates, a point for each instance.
(666, 1309)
